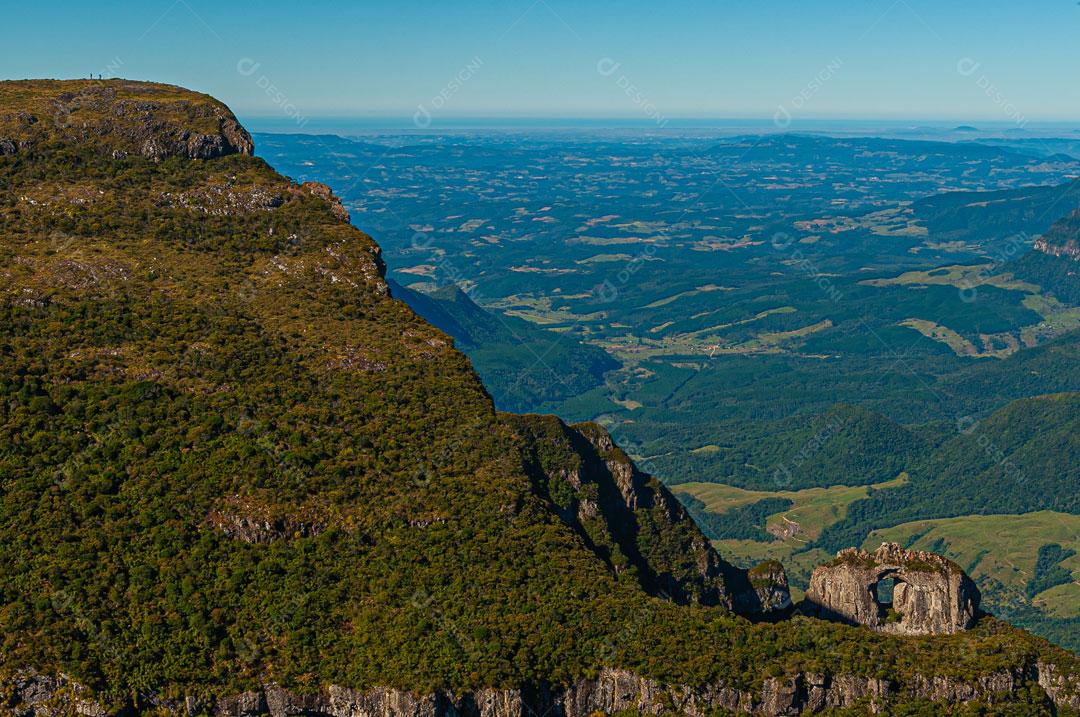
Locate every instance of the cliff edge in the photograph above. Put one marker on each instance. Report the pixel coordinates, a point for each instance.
(120, 119)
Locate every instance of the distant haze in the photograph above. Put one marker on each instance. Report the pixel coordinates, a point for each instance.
(429, 63)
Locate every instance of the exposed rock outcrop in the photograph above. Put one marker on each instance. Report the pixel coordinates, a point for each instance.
(224, 201)
(31, 694)
(611, 691)
(324, 192)
(630, 519)
(261, 530)
(569, 485)
(1063, 690)
(616, 509)
(259, 521)
(765, 590)
(1068, 249)
(1054, 263)
(932, 595)
(1062, 239)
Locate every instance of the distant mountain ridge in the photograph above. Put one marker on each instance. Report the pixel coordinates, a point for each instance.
(1024, 231)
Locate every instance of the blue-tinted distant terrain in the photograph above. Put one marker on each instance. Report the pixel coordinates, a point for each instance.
(811, 337)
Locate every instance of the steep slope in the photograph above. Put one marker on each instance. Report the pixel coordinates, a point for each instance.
(1063, 238)
(1055, 263)
(515, 358)
(238, 477)
(199, 353)
(634, 522)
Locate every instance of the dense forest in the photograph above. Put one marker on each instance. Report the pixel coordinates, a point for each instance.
(1017, 460)
(515, 359)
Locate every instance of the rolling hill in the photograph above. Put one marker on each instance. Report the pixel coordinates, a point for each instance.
(991, 220)
(1020, 459)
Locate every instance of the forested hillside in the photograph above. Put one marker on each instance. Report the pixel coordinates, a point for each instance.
(524, 367)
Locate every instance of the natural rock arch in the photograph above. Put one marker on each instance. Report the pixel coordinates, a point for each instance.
(931, 594)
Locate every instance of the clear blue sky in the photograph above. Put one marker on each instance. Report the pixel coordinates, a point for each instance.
(694, 58)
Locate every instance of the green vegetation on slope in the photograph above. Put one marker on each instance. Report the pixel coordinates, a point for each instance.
(228, 457)
(846, 445)
(994, 219)
(742, 523)
(514, 357)
(1048, 570)
(1017, 460)
(783, 535)
(1059, 276)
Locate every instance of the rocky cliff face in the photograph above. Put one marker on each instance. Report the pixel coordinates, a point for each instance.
(1068, 249)
(1054, 262)
(635, 523)
(931, 596)
(612, 691)
(1062, 239)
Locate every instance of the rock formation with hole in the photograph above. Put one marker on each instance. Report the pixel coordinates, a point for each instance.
(932, 595)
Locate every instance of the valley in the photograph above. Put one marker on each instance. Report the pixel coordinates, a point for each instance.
(791, 321)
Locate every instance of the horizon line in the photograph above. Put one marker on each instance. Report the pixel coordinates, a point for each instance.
(955, 129)
(646, 121)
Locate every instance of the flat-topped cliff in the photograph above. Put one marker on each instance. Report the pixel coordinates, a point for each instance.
(119, 118)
